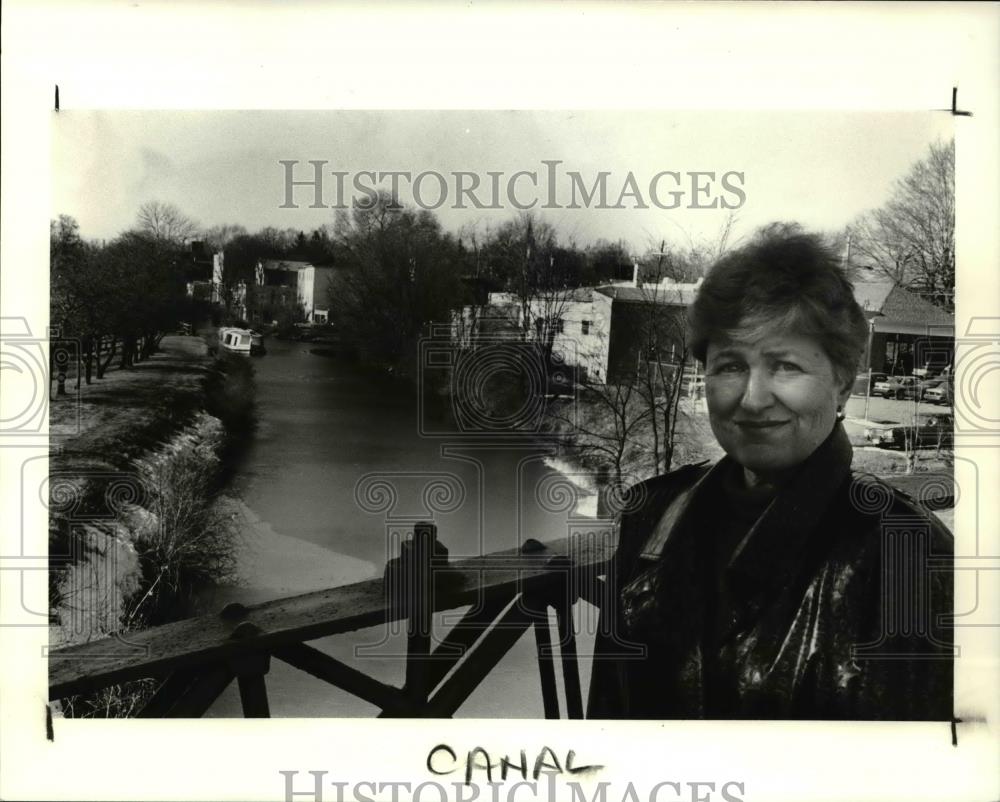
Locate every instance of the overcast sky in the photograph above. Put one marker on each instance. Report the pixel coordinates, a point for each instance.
(818, 168)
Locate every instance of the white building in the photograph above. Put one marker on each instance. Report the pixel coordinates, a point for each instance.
(592, 328)
(567, 318)
(283, 283)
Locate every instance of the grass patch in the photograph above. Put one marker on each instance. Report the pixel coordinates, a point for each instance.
(882, 461)
(182, 539)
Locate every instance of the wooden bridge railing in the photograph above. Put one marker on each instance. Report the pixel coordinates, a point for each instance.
(509, 591)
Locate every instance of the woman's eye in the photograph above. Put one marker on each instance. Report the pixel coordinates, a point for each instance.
(728, 367)
(789, 366)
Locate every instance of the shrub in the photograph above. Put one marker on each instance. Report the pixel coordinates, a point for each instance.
(184, 540)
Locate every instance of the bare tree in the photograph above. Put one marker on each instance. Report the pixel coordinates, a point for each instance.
(165, 222)
(541, 277)
(911, 239)
(691, 258)
(662, 331)
(610, 428)
(401, 273)
(218, 237)
(664, 358)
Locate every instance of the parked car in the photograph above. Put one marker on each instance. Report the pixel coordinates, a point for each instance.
(882, 433)
(928, 384)
(875, 378)
(897, 387)
(926, 431)
(864, 385)
(938, 393)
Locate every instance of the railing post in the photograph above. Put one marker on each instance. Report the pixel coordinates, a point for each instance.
(418, 591)
(250, 672)
(546, 670)
(538, 602)
(250, 669)
(571, 670)
(566, 596)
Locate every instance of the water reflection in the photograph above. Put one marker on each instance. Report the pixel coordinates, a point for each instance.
(336, 473)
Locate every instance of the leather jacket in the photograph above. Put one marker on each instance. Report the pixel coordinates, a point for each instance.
(833, 606)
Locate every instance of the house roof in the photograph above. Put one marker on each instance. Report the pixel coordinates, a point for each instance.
(671, 295)
(903, 305)
(881, 299)
(891, 304)
(577, 295)
(581, 294)
(285, 264)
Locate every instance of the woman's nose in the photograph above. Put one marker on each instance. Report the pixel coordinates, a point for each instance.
(757, 393)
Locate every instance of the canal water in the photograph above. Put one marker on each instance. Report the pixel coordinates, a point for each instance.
(339, 469)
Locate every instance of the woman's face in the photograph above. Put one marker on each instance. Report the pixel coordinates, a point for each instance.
(771, 400)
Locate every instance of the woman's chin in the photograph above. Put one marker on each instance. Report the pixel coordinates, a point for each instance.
(765, 461)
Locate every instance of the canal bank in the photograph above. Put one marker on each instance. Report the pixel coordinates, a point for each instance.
(135, 463)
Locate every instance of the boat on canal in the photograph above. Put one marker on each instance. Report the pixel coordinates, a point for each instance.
(241, 341)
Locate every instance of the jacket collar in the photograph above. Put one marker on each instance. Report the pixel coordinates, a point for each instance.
(774, 546)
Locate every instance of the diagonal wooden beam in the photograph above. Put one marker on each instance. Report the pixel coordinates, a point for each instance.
(462, 637)
(167, 695)
(329, 669)
(473, 670)
(196, 700)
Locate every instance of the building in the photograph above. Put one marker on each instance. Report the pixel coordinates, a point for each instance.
(199, 268)
(604, 332)
(611, 331)
(906, 333)
(563, 319)
(275, 292)
(291, 289)
(639, 324)
(218, 276)
(313, 292)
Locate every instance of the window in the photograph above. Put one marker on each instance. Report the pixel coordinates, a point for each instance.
(557, 326)
(585, 327)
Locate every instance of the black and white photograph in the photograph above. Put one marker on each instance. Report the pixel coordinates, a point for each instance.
(502, 434)
(540, 430)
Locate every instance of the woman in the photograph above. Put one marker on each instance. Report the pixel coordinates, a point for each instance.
(776, 583)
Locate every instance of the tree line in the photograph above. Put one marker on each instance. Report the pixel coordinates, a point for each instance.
(910, 240)
(117, 298)
(399, 271)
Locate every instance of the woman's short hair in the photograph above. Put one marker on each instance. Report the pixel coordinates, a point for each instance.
(784, 280)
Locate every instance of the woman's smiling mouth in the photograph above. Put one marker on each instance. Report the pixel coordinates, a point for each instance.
(760, 426)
